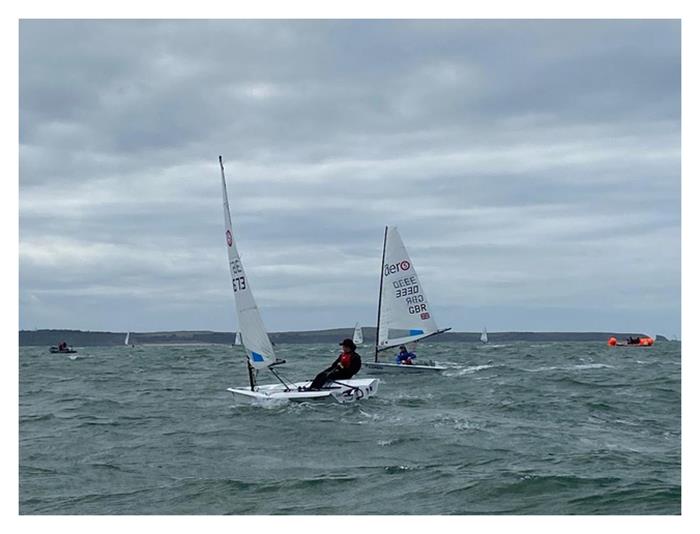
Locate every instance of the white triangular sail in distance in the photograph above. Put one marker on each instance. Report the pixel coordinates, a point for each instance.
(238, 340)
(251, 328)
(484, 336)
(404, 312)
(126, 339)
(357, 337)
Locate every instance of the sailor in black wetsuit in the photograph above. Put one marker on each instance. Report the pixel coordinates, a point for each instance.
(345, 366)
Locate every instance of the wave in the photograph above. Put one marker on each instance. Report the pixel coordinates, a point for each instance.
(470, 370)
(34, 470)
(397, 441)
(34, 418)
(657, 499)
(548, 433)
(576, 367)
(530, 483)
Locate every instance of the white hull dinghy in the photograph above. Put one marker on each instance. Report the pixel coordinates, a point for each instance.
(413, 368)
(403, 314)
(344, 391)
(56, 350)
(259, 350)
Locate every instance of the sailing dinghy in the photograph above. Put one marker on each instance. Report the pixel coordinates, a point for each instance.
(126, 339)
(259, 349)
(357, 337)
(67, 350)
(238, 341)
(484, 336)
(403, 314)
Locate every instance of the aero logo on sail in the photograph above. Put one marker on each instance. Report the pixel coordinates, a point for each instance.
(392, 269)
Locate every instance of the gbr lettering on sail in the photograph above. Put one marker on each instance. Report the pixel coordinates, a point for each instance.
(407, 288)
(237, 274)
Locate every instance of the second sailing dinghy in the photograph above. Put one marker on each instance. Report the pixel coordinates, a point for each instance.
(403, 315)
(259, 349)
(484, 336)
(357, 337)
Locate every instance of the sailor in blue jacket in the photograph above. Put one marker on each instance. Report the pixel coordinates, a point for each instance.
(404, 357)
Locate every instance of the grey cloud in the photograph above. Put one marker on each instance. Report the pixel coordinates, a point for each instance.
(531, 166)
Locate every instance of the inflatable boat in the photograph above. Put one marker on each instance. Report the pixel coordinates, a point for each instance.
(636, 342)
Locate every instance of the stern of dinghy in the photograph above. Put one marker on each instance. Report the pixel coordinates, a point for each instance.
(356, 389)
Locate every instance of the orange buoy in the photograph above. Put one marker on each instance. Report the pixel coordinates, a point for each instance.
(646, 341)
(612, 341)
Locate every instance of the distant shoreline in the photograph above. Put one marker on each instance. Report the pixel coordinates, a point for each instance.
(82, 338)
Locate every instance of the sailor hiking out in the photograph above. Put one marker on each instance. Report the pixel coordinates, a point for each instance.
(345, 366)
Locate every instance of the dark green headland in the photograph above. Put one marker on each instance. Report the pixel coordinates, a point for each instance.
(81, 338)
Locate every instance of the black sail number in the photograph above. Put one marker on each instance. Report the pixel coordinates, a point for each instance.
(236, 267)
(238, 283)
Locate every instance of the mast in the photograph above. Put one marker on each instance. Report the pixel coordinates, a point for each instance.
(251, 372)
(379, 305)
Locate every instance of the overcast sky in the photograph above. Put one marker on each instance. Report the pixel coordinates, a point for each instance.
(533, 170)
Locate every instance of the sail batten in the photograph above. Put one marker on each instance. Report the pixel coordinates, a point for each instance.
(251, 328)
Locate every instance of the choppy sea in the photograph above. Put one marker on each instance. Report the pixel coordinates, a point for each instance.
(521, 428)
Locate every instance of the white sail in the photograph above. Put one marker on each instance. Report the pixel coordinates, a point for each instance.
(252, 330)
(404, 314)
(484, 336)
(357, 337)
(238, 341)
(126, 340)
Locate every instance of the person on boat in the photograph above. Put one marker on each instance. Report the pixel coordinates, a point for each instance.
(345, 366)
(404, 357)
(63, 346)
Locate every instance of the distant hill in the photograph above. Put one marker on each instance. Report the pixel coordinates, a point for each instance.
(81, 338)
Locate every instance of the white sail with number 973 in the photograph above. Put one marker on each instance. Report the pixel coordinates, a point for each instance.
(259, 351)
(251, 328)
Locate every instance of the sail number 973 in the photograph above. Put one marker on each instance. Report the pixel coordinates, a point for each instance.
(238, 283)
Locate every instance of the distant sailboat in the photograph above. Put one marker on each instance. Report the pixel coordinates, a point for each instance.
(257, 343)
(403, 314)
(62, 348)
(238, 340)
(484, 336)
(357, 337)
(126, 339)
